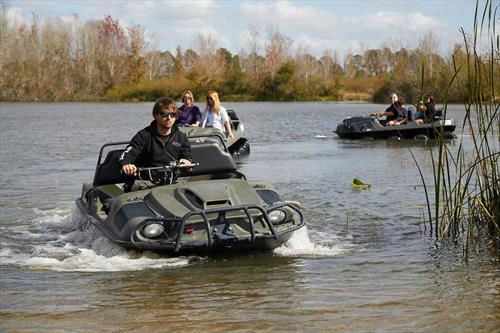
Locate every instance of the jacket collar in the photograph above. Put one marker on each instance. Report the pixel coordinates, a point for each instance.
(152, 128)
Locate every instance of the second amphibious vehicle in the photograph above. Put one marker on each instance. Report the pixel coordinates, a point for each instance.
(374, 128)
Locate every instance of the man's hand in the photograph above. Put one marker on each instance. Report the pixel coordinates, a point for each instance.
(183, 161)
(129, 169)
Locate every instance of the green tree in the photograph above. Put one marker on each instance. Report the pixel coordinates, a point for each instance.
(286, 87)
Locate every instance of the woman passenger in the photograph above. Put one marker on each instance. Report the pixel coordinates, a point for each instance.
(426, 110)
(215, 115)
(188, 114)
(421, 111)
(431, 108)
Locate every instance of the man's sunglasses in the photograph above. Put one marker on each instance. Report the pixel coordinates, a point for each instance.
(168, 114)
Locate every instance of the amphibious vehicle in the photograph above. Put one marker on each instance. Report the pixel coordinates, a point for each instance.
(204, 207)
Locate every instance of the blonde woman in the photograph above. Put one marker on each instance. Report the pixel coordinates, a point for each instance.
(189, 114)
(215, 115)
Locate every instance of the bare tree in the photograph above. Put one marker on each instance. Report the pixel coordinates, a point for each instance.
(307, 67)
(353, 65)
(277, 50)
(208, 66)
(135, 65)
(428, 45)
(387, 60)
(372, 62)
(253, 63)
(329, 64)
(153, 61)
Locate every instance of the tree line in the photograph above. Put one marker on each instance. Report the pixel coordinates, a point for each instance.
(56, 60)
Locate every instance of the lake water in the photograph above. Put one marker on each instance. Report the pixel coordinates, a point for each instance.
(365, 262)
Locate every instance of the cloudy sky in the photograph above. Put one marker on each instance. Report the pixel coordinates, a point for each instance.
(316, 26)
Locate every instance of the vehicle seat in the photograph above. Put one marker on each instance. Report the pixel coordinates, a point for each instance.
(109, 171)
(233, 119)
(212, 159)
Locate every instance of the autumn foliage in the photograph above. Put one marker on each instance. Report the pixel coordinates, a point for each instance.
(71, 60)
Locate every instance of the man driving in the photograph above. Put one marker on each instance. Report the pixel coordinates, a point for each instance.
(156, 145)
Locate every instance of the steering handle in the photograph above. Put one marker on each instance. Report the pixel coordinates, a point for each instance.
(168, 168)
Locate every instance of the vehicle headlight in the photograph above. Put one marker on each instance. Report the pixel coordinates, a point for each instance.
(153, 230)
(277, 216)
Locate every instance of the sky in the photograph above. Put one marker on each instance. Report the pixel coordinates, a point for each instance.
(313, 26)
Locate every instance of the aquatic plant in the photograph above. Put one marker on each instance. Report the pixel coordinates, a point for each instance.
(357, 183)
(466, 181)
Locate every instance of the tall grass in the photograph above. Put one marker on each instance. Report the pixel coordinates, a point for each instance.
(466, 179)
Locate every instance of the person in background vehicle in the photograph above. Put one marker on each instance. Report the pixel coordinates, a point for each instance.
(215, 115)
(426, 111)
(156, 145)
(431, 108)
(421, 111)
(402, 116)
(392, 111)
(189, 114)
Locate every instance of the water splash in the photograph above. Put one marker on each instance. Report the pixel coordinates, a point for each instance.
(88, 261)
(301, 245)
(52, 241)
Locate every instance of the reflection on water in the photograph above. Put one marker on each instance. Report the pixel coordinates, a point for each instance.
(365, 262)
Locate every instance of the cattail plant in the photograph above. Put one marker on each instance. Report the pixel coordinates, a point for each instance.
(466, 202)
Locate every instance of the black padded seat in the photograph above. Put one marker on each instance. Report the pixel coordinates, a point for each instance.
(109, 171)
(212, 159)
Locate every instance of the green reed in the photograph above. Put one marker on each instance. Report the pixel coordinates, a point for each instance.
(466, 180)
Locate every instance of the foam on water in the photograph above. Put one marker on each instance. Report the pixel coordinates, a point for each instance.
(53, 241)
(56, 243)
(88, 261)
(301, 245)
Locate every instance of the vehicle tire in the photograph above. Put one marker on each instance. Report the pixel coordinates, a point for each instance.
(421, 137)
(450, 136)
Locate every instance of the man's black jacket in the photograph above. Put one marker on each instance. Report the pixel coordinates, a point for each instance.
(147, 150)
